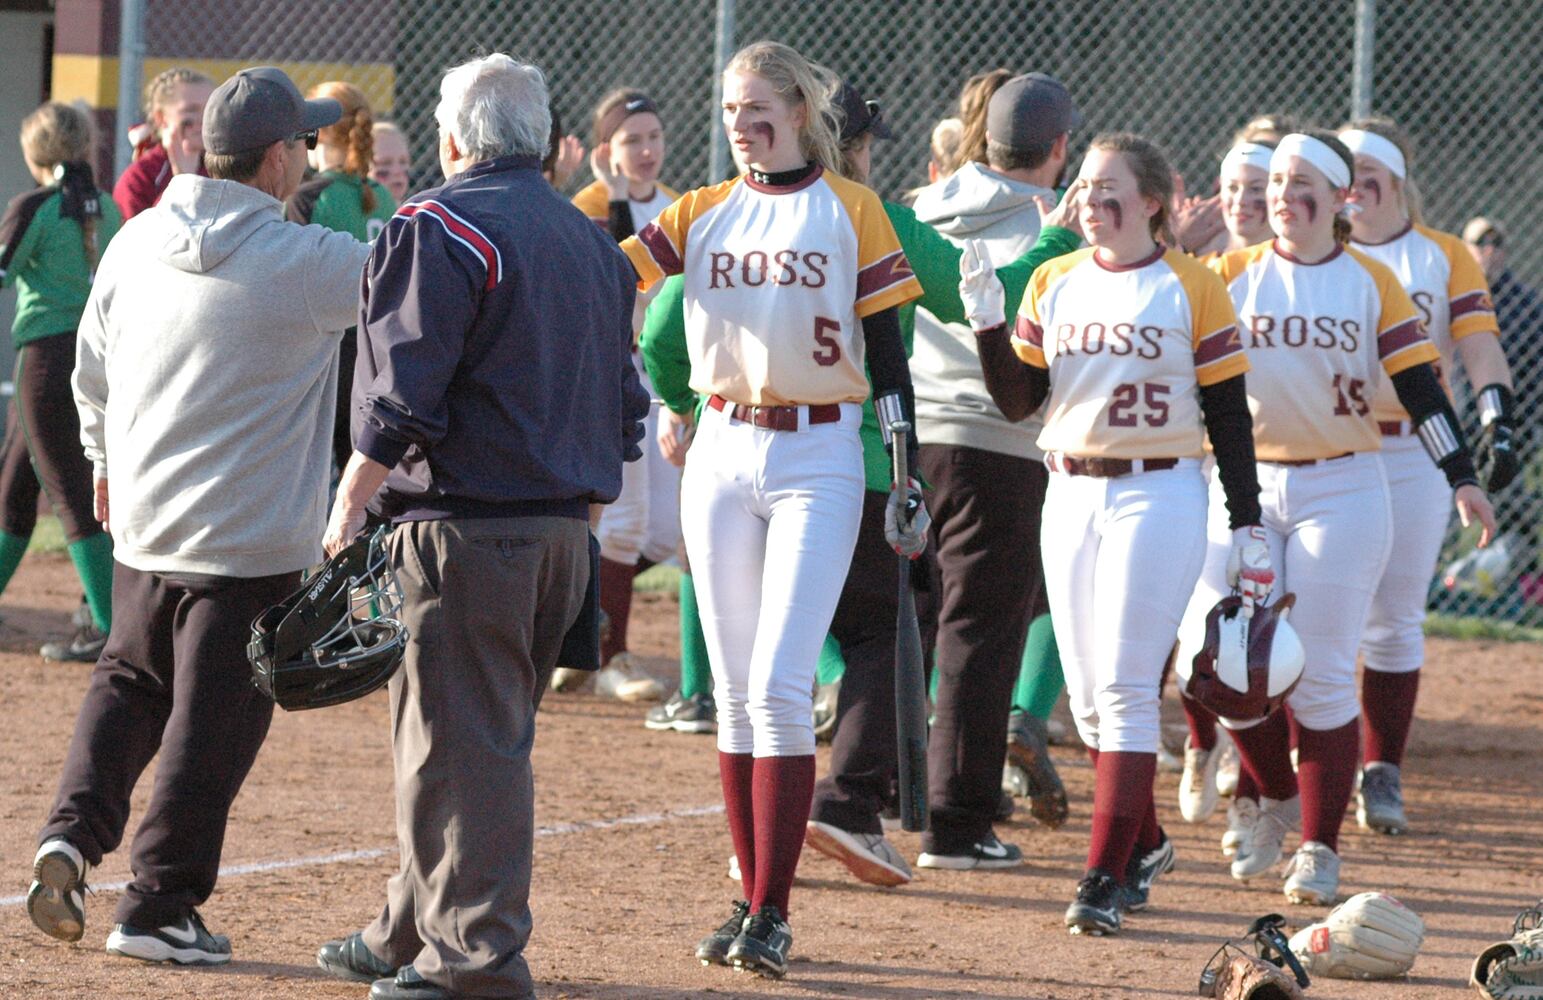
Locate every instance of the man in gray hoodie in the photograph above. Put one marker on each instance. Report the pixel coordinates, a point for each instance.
(987, 477)
(205, 376)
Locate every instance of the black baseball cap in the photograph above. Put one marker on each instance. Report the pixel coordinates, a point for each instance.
(1031, 110)
(259, 106)
(859, 116)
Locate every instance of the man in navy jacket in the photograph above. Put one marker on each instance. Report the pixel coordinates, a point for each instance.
(494, 401)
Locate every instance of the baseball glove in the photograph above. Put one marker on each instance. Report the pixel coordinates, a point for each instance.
(1511, 970)
(1244, 977)
(1370, 936)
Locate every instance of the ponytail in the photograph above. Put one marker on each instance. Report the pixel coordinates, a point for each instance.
(58, 136)
(354, 133)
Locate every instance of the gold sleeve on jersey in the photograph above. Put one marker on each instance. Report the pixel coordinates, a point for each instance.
(884, 276)
(1218, 349)
(660, 249)
(1401, 340)
(1468, 300)
(594, 201)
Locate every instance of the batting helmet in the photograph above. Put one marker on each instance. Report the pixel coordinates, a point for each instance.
(1247, 666)
(338, 637)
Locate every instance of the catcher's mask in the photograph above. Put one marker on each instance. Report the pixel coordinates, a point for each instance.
(337, 638)
(1248, 665)
(1270, 944)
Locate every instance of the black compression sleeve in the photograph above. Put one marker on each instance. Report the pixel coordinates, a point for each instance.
(1420, 392)
(619, 220)
(890, 374)
(1231, 429)
(1017, 388)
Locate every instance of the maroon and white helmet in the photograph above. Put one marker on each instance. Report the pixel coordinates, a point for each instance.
(1247, 666)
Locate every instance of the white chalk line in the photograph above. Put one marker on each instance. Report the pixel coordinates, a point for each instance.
(341, 857)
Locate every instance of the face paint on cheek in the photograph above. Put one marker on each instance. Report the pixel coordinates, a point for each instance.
(1115, 212)
(1255, 206)
(765, 131)
(1373, 188)
(1310, 205)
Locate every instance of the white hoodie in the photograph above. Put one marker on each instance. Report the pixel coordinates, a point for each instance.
(205, 378)
(952, 404)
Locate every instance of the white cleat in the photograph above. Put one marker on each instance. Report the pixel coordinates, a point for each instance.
(1264, 847)
(1312, 877)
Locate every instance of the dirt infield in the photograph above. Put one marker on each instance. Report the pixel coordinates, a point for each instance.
(630, 860)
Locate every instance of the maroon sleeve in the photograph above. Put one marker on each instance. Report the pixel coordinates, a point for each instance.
(135, 190)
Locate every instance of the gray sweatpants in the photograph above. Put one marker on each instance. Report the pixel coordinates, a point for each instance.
(487, 603)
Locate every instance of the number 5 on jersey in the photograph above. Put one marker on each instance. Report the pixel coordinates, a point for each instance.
(829, 351)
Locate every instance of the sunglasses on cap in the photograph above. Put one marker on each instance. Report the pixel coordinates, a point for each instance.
(308, 137)
(874, 112)
(1489, 238)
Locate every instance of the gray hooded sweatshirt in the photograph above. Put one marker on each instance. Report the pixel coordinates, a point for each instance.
(206, 375)
(952, 404)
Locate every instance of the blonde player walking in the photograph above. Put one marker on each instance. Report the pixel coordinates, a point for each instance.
(793, 276)
(1450, 292)
(1137, 348)
(1321, 325)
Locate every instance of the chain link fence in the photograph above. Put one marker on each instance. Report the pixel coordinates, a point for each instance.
(1185, 72)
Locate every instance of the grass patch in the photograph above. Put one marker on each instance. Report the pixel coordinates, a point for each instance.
(663, 577)
(48, 536)
(1460, 627)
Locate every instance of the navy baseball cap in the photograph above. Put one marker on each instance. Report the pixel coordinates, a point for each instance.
(1031, 110)
(859, 116)
(259, 106)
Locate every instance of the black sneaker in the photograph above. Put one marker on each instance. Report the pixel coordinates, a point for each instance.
(762, 947)
(696, 714)
(1096, 910)
(1028, 747)
(988, 852)
(714, 948)
(57, 900)
(186, 943)
(351, 959)
(1141, 872)
(85, 646)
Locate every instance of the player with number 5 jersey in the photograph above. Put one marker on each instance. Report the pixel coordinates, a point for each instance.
(1137, 348)
(1323, 326)
(793, 279)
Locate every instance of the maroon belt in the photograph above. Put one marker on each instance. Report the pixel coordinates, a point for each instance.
(1104, 468)
(1395, 428)
(776, 418)
(1297, 463)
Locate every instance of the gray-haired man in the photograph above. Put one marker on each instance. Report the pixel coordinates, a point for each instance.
(495, 399)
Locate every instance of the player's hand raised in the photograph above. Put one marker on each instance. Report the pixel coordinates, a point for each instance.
(979, 288)
(606, 172)
(1067, 214)
(1248, 567)
(1473, 505)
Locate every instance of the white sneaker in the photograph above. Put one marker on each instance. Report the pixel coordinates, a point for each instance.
(186, 943)
(624, 679)
(868, 856)
(734, 872)
(1242, 814)
(1312, 877)
(57, 899)
(570, 679)
(1380, 799)
(1197, 788)
(1263, 849)
(1227, 771)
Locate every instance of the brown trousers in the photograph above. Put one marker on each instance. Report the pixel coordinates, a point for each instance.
(487, 602)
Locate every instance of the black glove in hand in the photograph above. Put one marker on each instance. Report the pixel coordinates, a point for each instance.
(1495, 456)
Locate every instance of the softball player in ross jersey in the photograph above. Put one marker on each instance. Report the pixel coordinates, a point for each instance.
(793, 276)
(1450, 292)
(1321, 324)
(1138, 350)
(642, 527)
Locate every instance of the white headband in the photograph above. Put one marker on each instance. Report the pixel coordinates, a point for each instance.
(1248, 154)
(1314, 151)
(1384, 151)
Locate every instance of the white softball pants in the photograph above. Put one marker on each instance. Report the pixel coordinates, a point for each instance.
(770, 521)
(645, 519)
(1327, 528)
(1422, 507)
(1121, 559)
